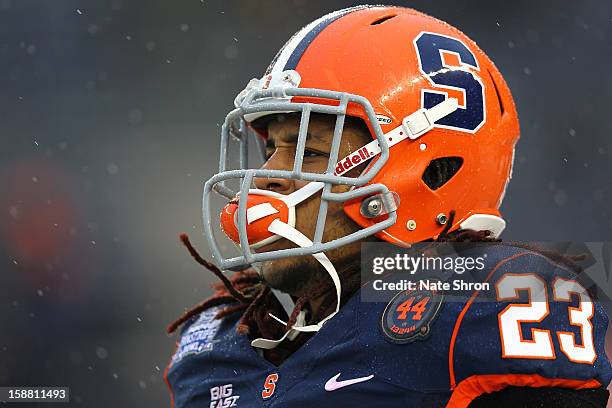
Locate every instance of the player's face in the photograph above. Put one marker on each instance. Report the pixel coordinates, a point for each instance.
(297, 275)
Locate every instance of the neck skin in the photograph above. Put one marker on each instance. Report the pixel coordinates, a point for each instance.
(350, 283)
(323, 305)
(350, 280)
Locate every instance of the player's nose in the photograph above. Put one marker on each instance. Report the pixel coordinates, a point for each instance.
(276, 184)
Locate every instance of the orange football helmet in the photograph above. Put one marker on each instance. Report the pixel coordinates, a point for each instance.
(432, 101)
(402, 61)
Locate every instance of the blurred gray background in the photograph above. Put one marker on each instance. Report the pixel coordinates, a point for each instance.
(109, 122)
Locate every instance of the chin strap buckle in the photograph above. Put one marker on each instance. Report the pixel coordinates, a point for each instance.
(423, 120)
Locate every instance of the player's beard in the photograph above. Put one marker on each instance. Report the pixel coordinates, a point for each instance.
(295, 275)
(300, 275)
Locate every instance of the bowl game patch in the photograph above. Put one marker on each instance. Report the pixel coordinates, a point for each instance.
(409, 315)
(199, 336)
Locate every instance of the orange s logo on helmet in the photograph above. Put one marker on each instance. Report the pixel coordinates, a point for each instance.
(402, 60)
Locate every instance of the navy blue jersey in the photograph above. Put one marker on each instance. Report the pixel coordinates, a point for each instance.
(450, 354)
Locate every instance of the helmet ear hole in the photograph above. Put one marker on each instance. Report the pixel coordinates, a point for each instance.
(440, 171)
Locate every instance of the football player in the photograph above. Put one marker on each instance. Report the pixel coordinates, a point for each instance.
(378, 124)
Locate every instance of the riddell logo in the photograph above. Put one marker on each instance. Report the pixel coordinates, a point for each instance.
(352, 160)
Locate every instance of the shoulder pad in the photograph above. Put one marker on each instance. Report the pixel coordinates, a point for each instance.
(535, 326)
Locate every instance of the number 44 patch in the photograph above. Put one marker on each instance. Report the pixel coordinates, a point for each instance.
(409, 315)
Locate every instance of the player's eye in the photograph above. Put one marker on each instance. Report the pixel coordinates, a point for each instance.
(310, 153)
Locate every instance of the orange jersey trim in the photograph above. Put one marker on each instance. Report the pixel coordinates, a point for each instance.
(451, 350)
(167, 370)
(472, 387)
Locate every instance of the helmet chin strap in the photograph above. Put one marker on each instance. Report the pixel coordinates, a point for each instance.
(290, 233)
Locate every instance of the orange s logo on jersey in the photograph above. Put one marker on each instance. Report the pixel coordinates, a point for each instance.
(269, 386)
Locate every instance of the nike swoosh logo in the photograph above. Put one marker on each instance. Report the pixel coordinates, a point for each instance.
(333, 384)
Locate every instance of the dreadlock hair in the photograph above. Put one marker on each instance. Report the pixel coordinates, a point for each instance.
(245, 292)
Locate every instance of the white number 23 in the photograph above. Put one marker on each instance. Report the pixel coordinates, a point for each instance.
(514, 345)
